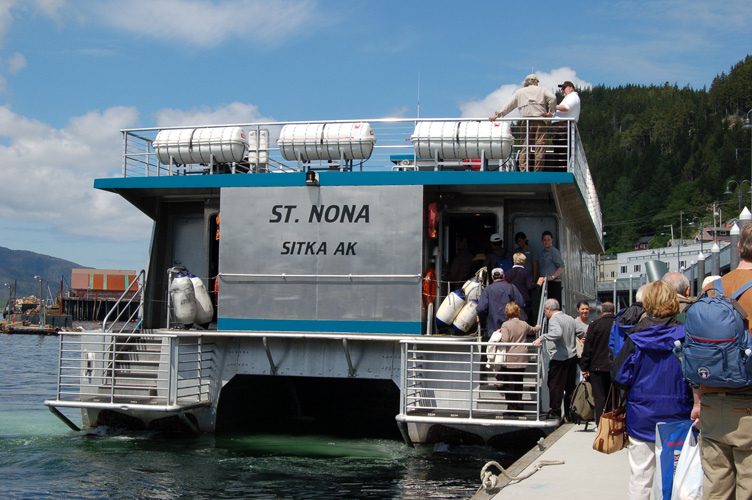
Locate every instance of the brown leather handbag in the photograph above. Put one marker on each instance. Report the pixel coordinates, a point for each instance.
(612, 428)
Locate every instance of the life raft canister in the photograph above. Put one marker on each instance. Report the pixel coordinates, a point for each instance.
(429, 287)
(183, 299)
(449, 308)
(204, 307)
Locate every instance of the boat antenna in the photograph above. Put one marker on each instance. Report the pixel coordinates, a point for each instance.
(418, 94)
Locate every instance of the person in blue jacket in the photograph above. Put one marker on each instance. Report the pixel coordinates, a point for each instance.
(648, 370)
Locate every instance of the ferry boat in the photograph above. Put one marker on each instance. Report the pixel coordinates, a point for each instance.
(319, 256)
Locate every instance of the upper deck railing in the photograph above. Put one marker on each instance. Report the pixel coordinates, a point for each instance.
(400, 145)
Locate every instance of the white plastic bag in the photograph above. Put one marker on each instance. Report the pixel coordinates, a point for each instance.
(688, 476)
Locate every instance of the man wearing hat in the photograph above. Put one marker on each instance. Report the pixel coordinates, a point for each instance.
(532, 101)
(497, 254)
(569, 107)
(494, 300)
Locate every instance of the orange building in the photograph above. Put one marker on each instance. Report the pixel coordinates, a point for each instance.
(101, 281)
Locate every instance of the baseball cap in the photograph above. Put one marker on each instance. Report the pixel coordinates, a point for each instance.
(495, 238)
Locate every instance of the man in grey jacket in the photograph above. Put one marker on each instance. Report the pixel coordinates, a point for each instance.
(562, 369)
(532, 101)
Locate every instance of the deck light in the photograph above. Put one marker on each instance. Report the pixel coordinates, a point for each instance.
(311, 178)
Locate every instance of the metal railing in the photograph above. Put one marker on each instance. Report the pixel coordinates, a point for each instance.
(450, 379)
(153, 372)
(122, 306)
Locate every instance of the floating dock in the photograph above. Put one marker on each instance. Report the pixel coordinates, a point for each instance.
(585, 473)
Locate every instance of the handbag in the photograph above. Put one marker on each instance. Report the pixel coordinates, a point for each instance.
(612, 428)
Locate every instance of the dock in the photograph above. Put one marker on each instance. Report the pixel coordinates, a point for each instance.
(585, 473)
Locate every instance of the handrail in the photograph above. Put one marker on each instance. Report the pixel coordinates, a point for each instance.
(446, 379)
(140, 279)
(160, 372)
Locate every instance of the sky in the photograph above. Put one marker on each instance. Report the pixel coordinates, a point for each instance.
(73, 73)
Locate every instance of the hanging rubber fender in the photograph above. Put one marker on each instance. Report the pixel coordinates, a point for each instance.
(466, 317)
(429, 287)
(433, 219)
(183, 299)
(472, 289)
(204, 307)
(449, 308)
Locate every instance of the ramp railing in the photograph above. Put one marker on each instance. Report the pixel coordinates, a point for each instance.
(449, 379)
(152, 372)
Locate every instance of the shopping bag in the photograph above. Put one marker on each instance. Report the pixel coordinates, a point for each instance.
(688, 476)
(669, 439)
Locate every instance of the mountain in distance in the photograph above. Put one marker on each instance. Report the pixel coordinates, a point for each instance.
(23, 265)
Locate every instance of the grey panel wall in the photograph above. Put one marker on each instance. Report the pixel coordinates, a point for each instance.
(316, 237)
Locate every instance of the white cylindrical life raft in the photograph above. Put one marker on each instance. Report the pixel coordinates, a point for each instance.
(449, 308)
(200, 145)
(183, 299)
(463, 140)
(466, 317)
(204, 306)
(326, 141)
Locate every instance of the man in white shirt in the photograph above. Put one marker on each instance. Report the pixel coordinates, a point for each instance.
(569, 107)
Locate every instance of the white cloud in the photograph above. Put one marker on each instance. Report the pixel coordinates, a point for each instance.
(207, 23)
(6, 18)
(487, 105)
(16, 63)
(236, 112)
(50, 173)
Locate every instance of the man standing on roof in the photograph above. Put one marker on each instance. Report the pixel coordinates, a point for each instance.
(533, 102)
(726, 416)
(569, 107)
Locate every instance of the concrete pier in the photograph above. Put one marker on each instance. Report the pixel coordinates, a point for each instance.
(585, 473)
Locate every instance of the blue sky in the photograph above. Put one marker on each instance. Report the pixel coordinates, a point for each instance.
(73, 73)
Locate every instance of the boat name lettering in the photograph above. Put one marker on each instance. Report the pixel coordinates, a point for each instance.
(327, 213)
(337, 213)
(316, 248)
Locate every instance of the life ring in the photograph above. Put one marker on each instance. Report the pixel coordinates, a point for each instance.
(429, 286)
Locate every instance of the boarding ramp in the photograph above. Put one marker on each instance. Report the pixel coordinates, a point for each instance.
(145, 372)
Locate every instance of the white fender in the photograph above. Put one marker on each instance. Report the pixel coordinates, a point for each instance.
(449, 307)
(472, 289)
(183, 300)
(204, 307)
(466, 317)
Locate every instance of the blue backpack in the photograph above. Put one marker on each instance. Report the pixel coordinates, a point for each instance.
(717, 348)
(618, 334)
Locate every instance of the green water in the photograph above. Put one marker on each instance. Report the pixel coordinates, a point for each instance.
(41, 458)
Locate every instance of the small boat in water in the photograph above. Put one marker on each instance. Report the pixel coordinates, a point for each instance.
(312, 301)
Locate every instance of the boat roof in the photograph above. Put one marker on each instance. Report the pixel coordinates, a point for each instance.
(146, 181)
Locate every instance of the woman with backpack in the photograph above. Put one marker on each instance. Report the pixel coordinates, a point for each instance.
(647, 369)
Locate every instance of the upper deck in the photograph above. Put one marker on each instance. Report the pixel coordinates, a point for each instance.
(447, 154)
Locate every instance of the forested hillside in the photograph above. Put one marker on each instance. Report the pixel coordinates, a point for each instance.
(659, 150)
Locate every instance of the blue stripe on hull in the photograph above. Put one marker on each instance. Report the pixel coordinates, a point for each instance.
(296, 325)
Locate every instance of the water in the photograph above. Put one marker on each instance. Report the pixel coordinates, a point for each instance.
(42, 458)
